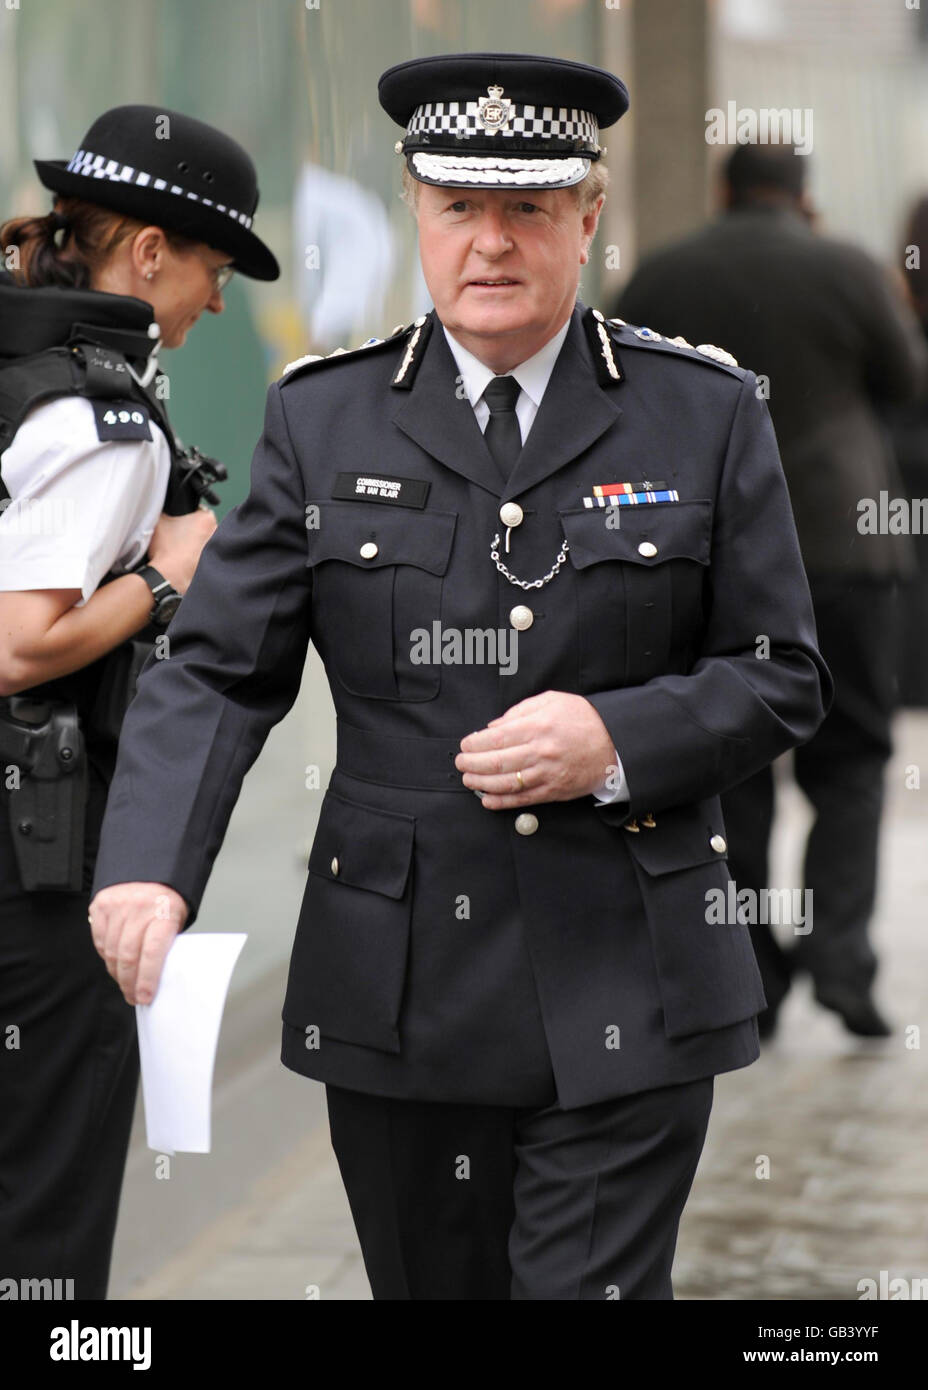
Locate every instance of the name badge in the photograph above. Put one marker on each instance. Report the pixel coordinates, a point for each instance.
(381, 487)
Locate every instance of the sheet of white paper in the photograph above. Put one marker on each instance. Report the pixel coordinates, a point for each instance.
(178, 1035)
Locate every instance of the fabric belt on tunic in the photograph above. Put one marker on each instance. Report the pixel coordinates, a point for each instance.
(399, 762)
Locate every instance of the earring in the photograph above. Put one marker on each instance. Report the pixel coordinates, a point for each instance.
(150, 275)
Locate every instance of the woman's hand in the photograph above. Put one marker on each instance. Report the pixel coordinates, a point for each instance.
(43, 634)
(177, 543)
(133, 927)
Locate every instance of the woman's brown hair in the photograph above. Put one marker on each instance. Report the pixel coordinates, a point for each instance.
(89, 236)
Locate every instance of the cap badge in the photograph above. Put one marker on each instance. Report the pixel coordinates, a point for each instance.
(493, 113)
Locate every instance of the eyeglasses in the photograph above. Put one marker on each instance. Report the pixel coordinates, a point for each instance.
(221, 274)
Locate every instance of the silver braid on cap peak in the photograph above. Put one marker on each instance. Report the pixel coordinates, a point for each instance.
(532, 173)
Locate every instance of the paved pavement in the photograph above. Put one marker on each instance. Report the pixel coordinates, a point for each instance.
(841, 1122)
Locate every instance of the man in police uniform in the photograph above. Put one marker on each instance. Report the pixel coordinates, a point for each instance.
(505, 969)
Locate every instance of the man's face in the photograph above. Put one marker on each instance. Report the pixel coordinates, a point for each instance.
(503, 265)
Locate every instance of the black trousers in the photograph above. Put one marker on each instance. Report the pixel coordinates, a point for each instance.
(841, 771)
(489, 1202)
(68, 1080)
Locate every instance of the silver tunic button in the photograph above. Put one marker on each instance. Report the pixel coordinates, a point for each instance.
(368, 550)
(719, 844)
(526, 823)
(521, 617)
(510, 514)
(334, 867)
(647, 548)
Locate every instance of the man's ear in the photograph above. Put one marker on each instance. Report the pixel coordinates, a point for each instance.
(589, 225)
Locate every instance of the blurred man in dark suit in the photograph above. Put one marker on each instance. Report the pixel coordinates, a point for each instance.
(819, 323)
(908, 423)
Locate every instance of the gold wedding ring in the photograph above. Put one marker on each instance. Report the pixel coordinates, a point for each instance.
(520, 782)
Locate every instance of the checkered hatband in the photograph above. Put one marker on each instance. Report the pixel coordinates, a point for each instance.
(542, 129)
(98, 166)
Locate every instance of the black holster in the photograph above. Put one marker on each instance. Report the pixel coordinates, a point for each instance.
(43, 741)
(117, 687)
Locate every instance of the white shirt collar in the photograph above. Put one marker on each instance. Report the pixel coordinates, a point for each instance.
(532, 375)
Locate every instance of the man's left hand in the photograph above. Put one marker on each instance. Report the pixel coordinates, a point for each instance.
(558, 742)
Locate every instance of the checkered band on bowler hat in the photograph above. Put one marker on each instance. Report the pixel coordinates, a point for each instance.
(501, 120)
(174, 171)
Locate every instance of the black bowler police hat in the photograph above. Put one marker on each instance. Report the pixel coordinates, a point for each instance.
(500, 120)
(173, 171)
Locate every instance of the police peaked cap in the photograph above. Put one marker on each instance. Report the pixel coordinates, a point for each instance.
(173, 171)
(500, 120)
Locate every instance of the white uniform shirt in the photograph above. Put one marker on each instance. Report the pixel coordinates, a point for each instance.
(81, 506)
(533, 377)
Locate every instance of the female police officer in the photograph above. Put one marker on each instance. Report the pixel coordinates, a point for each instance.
(151, 215)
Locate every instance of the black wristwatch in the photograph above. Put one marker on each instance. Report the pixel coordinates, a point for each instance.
(167, 599)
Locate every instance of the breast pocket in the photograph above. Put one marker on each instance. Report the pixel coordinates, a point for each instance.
(349, 957)
(378, 573)
(640, 573)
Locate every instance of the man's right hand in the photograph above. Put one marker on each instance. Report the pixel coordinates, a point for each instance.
(177, 543)
(133, 927)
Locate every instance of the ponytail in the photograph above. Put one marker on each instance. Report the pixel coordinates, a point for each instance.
(71, 244)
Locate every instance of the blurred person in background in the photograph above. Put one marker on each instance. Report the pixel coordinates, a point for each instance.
(103, 522)
(819, 321)
(909, 427)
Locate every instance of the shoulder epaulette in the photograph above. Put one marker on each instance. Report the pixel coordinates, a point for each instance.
(623, 334)
(419, 332)
(312, 361)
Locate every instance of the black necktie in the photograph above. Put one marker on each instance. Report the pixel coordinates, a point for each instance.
(503, 436)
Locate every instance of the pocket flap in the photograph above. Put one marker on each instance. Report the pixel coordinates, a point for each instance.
(372, 848)
(682, 838)
(665, 530)
(402, 536)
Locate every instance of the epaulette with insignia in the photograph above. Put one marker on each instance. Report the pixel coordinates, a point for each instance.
(406, 372)
(602, 346)
(340, 354)
(606, 334)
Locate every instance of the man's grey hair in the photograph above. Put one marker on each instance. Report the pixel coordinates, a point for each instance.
(586, 192)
